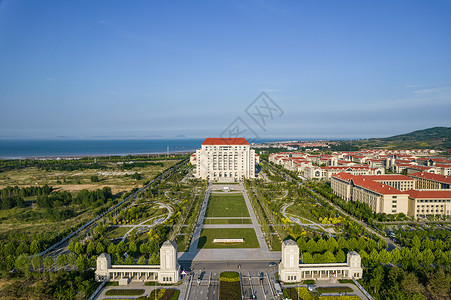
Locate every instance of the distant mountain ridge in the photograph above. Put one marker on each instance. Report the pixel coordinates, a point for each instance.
(430, 138)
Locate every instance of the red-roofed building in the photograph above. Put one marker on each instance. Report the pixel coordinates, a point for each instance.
(382, 198)
(430, 181)
(225, 141)
(225, 160)
(424, 203)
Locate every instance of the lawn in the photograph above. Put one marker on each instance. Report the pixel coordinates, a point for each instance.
(224, 205)
(116, 232)
(208, 234)
(228, 221)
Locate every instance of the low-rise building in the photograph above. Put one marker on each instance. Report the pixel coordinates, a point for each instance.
(168, 271)
(381, 197)
(431, 181)
(291, 270)
(425, 203)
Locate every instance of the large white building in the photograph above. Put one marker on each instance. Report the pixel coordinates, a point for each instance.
(225, 160)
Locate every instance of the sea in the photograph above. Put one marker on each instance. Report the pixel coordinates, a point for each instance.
(16, 149)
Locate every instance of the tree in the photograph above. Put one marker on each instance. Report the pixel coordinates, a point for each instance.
(144, 249)
(121, 248)
(427, 258)
(332, 244)
(438, 284)
(79, 248)
(340, 256)
(321, 245)
(111, 248)
(384, 257)
(22, 263)
(81, 262)
(132, 247)
(376, 280)
(129, 260)
(90, 248)
(395, 256)
(328, 257)
(36, 262)
(35, 247)
(307, 258)
(61, 260)
(100, 248)
(141, 260)
(71, 246)
(48, 263)
(95, 178)
(311, 246)
(72, 258)
(410, 284)
(416, 243)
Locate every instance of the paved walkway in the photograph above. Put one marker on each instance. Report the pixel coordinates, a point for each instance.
(256, 225)
(200, 222)
(155, 223)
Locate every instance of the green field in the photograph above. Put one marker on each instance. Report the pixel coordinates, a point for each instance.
(223, 205)
(228, 221)
(208, 234)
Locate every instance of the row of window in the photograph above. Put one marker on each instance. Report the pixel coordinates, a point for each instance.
(168, 279)
(436, 200)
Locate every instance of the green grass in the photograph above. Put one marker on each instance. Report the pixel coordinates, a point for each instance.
(228, 221)
(227, 205)
(168, 294)
(116, 232)
(308, 281)
(335, 289)
(125, 292)
(208, 234)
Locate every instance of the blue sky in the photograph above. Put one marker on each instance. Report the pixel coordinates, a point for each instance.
(142, 69)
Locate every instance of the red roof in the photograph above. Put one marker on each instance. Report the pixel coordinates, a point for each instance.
(225, 141)
(369, 184)
(375, 186)
(387, 177)
(432, 176)
(428, 194)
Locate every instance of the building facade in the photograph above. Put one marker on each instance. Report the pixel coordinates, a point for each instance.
(429, 181)
(291, 270)
(225, 160)
(167, 272)
(378, 191)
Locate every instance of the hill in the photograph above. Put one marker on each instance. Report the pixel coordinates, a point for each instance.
(432, 138)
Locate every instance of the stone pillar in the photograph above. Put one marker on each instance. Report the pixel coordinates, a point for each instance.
(354, 264)
(103, 264)
(289, 266)
(169, 266)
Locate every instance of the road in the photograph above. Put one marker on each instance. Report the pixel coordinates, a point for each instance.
(209, 272)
